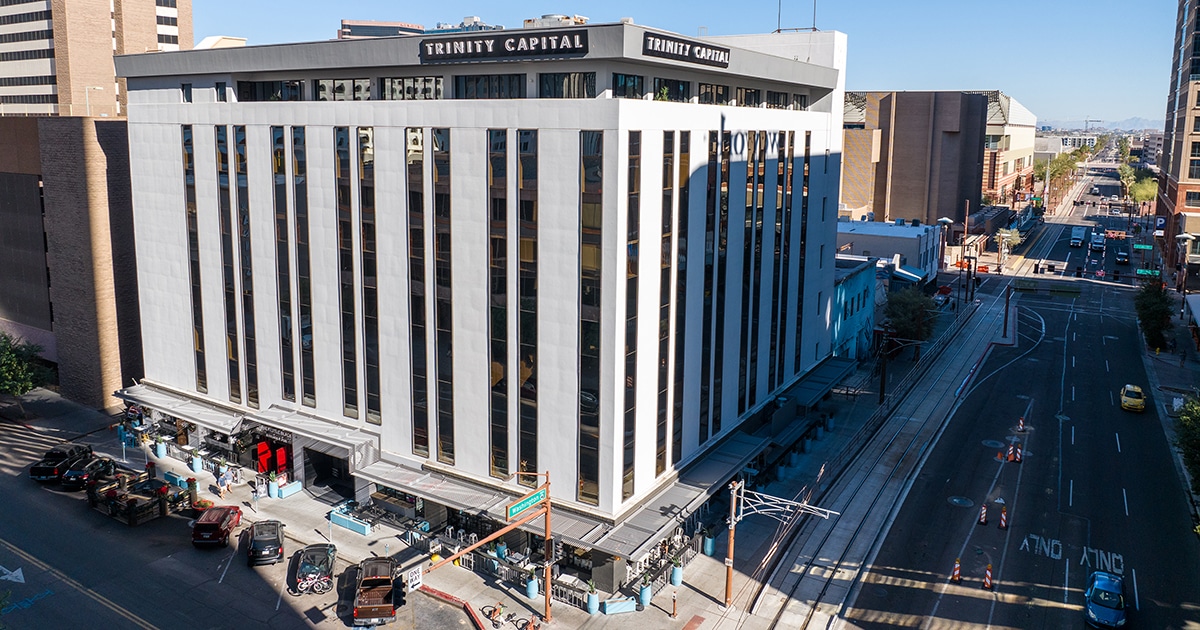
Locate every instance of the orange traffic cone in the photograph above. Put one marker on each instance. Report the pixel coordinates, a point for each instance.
(987, 578)
(956, 576)
(1003, 517)
(1000, 456)
(1021, 424)
(1011, 451)
(983, 514)
(1018, 452)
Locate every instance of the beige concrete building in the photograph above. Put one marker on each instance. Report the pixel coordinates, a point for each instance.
(1178, 206)
(912, 155)
(67, 264)
(1008, 150)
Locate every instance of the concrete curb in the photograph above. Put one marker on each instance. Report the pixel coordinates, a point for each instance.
(450, 599)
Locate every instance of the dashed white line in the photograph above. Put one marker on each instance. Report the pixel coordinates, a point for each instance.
(1118, 436)
(1072, 393)
(1072, 436)
(1072, 361)
(1136, 605)
(1066, 581)
(1106, 366)
(228, 561)
(1071, 495)
(1125, 498)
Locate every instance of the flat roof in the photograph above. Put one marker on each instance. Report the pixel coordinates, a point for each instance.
(593, 42)
(878, 228)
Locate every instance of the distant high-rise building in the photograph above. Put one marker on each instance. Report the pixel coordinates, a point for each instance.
(1179, 178)
(67, 270)
(913, 155)
(364, 29)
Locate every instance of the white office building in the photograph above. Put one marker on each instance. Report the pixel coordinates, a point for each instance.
(416, 263)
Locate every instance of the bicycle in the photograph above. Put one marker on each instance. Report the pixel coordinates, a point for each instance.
(495, 614)
(531, 623)
(318, 584)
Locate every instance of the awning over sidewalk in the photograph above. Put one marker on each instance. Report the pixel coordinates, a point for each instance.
(179, 405)
(817, 382)
(361, 448)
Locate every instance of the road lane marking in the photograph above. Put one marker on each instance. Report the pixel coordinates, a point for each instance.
(1118, 436)
(1071, 496)
(1106, 366)
(229, 561)
(1066, 582)
(1072, 393)
(1072, 360)
(1125, 498)
(1136, 605)
(93, 595)
(1072, 436)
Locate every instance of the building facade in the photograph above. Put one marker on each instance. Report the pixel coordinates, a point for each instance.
(855, 283)
(913, 155)
(1178, 202)
(911, 248)
(419, 259)
(1008, 150)
(67, 262)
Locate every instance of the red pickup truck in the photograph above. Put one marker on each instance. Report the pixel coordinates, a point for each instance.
(375, 601)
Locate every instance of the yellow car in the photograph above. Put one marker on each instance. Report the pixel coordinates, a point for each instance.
(1132, 398)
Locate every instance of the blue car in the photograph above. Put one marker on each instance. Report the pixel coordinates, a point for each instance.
(1104, 605)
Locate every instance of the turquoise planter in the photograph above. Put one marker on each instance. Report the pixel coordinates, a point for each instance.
(593, 603)
(676, 576)
(160, 449)
(709, 545)
(501, 550)
(197, 465)
(531, 589)
(644, 596)
(273, 489)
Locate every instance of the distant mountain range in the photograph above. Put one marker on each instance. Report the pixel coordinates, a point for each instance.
(1129, 124)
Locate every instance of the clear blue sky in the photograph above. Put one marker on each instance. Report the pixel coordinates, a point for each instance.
(1063, 59)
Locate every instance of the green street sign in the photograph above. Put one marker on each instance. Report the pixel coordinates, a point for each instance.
(1141, 246)
(524, 503)
(1147, 272)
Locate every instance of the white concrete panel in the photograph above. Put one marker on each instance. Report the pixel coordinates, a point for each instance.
(322, 230)
(391, 203)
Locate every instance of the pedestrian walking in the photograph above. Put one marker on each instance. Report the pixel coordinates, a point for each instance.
(223, 484)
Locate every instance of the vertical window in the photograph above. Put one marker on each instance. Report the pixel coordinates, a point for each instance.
(343, 89)
(591, 159)
(627, 86)
(245, 258)
(681, 247)
(442, 304)
(193, 229)
(498, 300)
(672, 90)
(222, 92)
(632, 243)
(283, 274)
(186, 90)
(786, 264)
(1195, 125)
(722, 280)
(567, 85)
(416, 266)
(345, 236)
(800, 102)
(780, 175)
(489, 86)
(527, 300)
(1196, 150)
(308, 366)
(370, 265)
(664, 302)
(751, 250)
(1193, 169)
(777, 100)
(412, 89)
(710, 226)
(747, 97)
(227, 272)
(711, 94)
(801, 251)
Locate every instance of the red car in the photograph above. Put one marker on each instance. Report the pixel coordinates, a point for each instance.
(216, 525)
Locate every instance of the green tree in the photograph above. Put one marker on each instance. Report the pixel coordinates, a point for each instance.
(1187, 438)
(1154, 308)
(20, 370)
(908, 310)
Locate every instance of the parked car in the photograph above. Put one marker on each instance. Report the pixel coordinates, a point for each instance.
(1132, 398)
(58, 460)
(93, 468)
(216, 525)
(266, 543)
(1104, 601)
(315, 569)
(374, 599)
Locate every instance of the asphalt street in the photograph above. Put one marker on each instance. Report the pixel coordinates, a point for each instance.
(1096, 490)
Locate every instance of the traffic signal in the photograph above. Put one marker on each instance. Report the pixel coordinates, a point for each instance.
(558, 546)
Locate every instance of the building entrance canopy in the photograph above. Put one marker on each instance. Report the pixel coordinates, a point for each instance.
(165, 401)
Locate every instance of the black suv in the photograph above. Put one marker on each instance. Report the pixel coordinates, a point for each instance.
(92, 468)
(266, 543)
